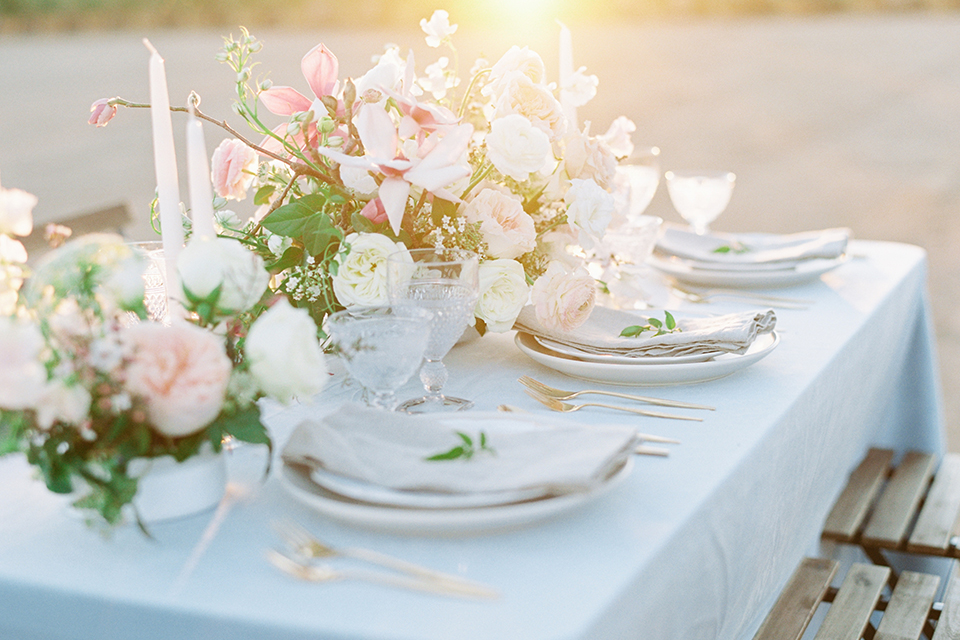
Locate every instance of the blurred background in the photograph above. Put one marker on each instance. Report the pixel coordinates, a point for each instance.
(830, 112)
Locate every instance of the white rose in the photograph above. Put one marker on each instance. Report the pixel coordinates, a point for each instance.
(387, 73)
(12, 250)
(503, 293)
(589, 208)
(517, 148)
(534, 102)
(22, 374)
(358, 179)
(208, 263)
(284, 355)
(507, 229)
(16, 212)
(563, 300)
(61, 402)
(523, 60)
(361, 278)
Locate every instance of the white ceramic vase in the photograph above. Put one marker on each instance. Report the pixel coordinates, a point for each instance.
(167, 489)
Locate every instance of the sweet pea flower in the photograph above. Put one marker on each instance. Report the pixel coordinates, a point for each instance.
(563, 300)
(617, 138)
(438, 28)
(435, 167)
(233, 168)
(16, 212)
(580, 87)
(102, 112)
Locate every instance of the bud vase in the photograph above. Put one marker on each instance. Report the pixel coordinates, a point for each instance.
(167, 489)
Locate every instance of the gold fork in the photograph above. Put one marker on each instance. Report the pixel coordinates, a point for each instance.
(324, 573)
(556, 405)
(560, 394)
(304, 544)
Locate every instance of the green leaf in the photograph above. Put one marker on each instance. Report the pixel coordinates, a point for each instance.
(290, 220)
(654, 322)
(722, 249)
(319, 234)
(245, 425)
(453, 454)
(361, 224)
(631, 331)
(290, 258)
(466, 439)
(670, 321)
(441, 208)
(263, 195)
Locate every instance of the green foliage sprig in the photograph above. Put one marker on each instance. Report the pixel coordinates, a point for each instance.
(668, 325)
(466, 449)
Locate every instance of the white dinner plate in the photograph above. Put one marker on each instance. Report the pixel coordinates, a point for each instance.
(567, 350)
(652, 374)
(686, 271)
(388, 497)
(452, 522)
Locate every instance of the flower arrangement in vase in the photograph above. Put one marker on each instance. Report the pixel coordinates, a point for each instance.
(393, 160)
(89, 384)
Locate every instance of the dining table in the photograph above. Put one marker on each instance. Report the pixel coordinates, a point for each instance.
(695, 544)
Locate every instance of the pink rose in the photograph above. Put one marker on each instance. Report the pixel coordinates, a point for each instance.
(507, 229)
(563, 300)
(102, 112)
(234, 168)
(181, 372)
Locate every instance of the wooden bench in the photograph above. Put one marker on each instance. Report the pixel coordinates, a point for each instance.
(909, 613)
(913, 507)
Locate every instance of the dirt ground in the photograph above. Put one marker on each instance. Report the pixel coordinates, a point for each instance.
(838, 120)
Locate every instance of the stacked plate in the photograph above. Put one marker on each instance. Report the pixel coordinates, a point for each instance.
(365, 505)
(749, 260)
(639, 370)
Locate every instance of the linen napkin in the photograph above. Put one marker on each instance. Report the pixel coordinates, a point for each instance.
(753, 248)
(600, 334)
(388, 449)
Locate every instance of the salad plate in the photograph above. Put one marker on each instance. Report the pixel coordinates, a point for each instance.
(567, 350)
(690, 272)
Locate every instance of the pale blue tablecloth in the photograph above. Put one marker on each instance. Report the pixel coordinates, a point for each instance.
(690, 546)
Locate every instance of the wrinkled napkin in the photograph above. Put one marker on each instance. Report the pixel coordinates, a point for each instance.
(600, 334)
(760, 248)
(388, 449)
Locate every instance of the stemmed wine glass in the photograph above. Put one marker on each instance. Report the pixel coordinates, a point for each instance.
(700, 196)
(381, 347)
(444, 281)
(641, 172)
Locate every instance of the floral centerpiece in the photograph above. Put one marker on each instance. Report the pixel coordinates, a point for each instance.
(359, 168)
(88, 384)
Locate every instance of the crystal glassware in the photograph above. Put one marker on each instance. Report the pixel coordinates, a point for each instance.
(381, 347)
(154, 280)
(700, 196)
(629, 247)
(640, 172)
(445, 281)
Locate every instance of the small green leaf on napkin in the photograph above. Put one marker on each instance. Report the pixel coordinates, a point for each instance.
(735, 247)
(465, 450)
(669, 325)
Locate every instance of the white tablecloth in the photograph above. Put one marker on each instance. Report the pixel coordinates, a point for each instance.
(690, 546)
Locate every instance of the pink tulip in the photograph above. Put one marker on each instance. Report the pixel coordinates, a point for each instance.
(374, 211)
(102, 112)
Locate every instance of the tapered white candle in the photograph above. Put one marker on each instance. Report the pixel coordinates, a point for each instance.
(566, 73)
(165, 162)
(198, 173)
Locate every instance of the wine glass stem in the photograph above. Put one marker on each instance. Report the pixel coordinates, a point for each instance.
(433, 375)
(383, 400)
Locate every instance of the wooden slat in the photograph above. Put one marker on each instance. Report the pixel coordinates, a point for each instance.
(935, 525)
(948, 627)
(854, 502)
(897, 505)
(909, 607)
(851, 609)
(798, 601)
